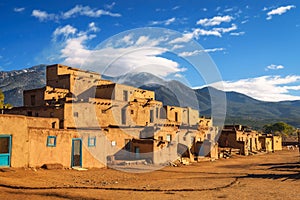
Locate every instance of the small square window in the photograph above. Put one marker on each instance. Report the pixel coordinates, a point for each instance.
(92, 141)
(113, 143)
(75, 114)
(51, 141)
(132, 112)
(169, 137)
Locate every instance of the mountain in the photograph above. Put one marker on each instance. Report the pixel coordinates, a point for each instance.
(241, 109)
(13, 83)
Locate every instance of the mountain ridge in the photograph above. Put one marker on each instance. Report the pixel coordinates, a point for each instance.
(241, 108)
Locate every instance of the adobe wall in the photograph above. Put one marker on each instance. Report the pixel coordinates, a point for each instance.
(277, 143)
(41, 154)
(36, 94)
(16, 126)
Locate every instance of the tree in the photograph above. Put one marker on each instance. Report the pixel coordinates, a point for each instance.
(2, 104)
(1, 99)
(279, 128)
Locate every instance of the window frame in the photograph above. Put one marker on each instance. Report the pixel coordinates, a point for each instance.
(92, 141)
(49, 138)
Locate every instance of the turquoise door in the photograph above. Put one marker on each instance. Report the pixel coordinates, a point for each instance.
(5, 150)
(76, 152)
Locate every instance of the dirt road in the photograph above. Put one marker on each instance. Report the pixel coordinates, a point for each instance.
(265, 176)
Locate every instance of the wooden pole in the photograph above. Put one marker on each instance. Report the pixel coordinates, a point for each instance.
(298, 131)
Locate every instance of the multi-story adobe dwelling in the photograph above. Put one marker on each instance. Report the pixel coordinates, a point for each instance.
(79, 119)
(247, 140)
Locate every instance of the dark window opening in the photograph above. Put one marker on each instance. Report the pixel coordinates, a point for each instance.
(125, 95)
(176, 116)
(75, 114)
(127, 144)
(123, 112)
(151, 116)
(29, 113)
(32, 99)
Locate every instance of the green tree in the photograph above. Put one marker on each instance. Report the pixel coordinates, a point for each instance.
(279, 128)
(1, 99)
(2, 104)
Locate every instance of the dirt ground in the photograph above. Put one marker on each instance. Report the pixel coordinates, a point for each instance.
(265, 176)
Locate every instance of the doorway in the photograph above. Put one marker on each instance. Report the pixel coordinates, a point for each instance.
(5, 150)
(76, 152)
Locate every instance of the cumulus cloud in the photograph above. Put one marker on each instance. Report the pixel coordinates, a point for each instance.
(196, 33)
(237, 33)
(164, 22)
(274, 67)
(65, 30)
(226, 30)
(217, 20)
(127, 54)
(186, 37)
(279, 11)
(43, 15)
(196, 52)
(265, 88)
(87, 11)
(78, 10)
(19, 9)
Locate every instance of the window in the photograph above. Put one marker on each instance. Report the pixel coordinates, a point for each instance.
(151, 116)
(125, 95)
(160, 138)
(113, 143)
(32, 99)
(176, 116)
(75, 114)
(92, 141)
(169, 137)
(36, 114)
(51, 141)
(157, 113)
(132, 112)
(103, 111)
(127, 144)
(123, 116)
(53, 124)
(29, 113)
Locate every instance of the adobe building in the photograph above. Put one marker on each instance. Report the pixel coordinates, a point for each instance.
(247, 140)
(270, 143)
(83, 120)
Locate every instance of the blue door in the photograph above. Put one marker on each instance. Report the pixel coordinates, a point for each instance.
(5, 150)
(76, 152)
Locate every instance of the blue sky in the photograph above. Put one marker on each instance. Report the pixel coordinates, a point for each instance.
(254, 44)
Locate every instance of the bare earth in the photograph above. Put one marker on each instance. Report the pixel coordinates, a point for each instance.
(264, 176)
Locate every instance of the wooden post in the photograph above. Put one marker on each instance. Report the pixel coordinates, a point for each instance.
(298, 132)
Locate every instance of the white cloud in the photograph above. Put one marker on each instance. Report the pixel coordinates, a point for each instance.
(175, 7)
(217, 20)
(186, 37)
(141, 54)
(196, 52)
(226, 30)
(165, 22)
(237, 33)
(274, 67)
(110, 6)
(77, 10)
(279, 11)
(93, 27)
(19, 9)
(265, 88)
(66, 31)
(43, 16)
(87, 11)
